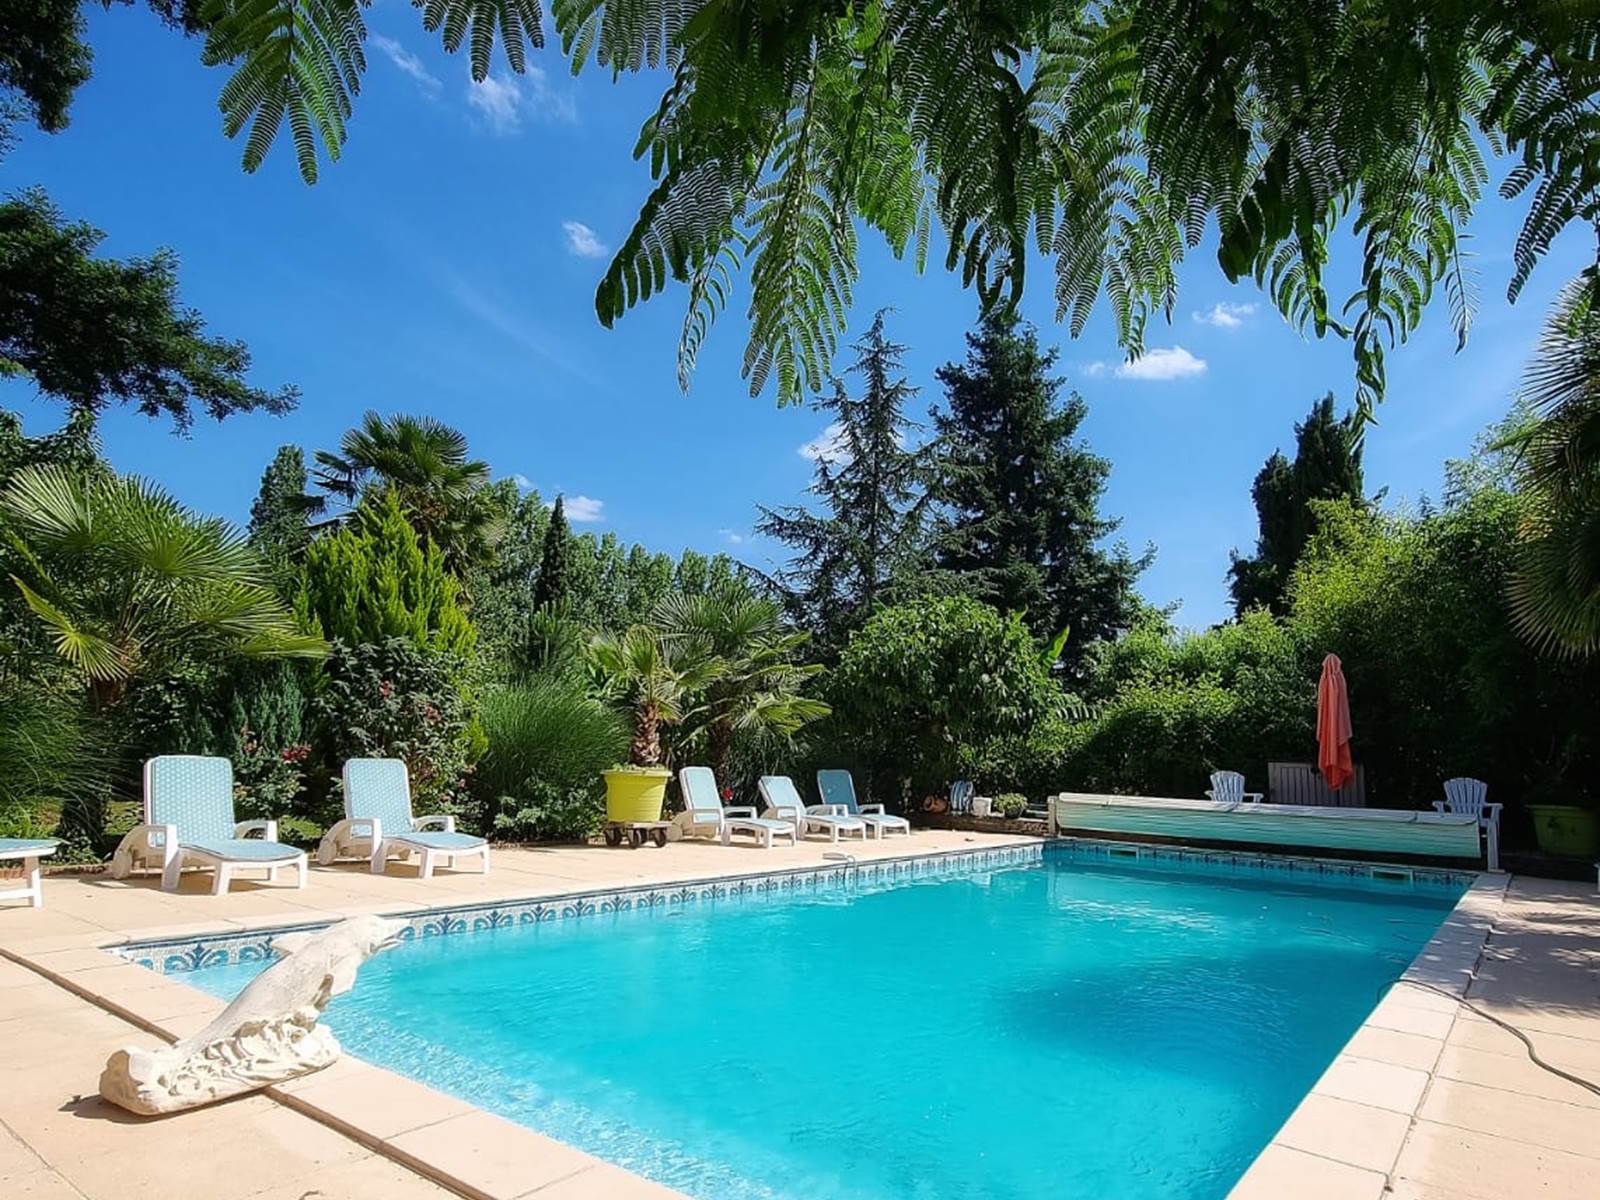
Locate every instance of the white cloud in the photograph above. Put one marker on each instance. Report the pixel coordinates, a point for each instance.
(1160, 365)
(524, 484)
(828, 446)
(550, 103)
(583, 510)
(1225, 316)
(409, 64)
(734, 539)
(582, 241)
(499, 101)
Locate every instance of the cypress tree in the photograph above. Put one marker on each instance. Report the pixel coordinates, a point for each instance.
(1327, 466)
(374, 579)
(866, 544)
(1021, 526)
(553, 584)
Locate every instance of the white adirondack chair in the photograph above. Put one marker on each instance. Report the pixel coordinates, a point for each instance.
(1227, 787)
(1470, 798)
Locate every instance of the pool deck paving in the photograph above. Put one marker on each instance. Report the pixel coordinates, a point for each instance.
(1428, 1101)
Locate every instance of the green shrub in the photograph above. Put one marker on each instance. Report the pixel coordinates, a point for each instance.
(394, 699)
(1010, 805)
(920, 680)
(539, 779)
(56, 768)
(375, 579)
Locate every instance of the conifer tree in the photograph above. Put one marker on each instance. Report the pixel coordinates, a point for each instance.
(865, 543)
(375, 579)
(1020, 520)
(1326, 466)
(554, 562)
(278, 518)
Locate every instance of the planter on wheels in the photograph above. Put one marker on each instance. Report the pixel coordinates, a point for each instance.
(637, 794)
(1566, 830)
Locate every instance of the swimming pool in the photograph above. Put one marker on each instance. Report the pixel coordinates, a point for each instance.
(1076, 1027)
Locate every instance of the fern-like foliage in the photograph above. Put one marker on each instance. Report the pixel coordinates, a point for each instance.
(1107, 135)
(300, 62)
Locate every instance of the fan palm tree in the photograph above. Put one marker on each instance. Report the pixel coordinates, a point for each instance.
(126, 584)
(1555, 593)
(424, 462)
(759, 686)
(654, 678)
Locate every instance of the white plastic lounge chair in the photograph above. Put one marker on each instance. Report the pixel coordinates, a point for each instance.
(783, 801)
(838, 790)
(1469, 798)
(703, 812)
(30, 851)
(188, 821)
(1227, 787)
(378, 824)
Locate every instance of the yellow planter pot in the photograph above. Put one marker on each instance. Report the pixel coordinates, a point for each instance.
(636, 795)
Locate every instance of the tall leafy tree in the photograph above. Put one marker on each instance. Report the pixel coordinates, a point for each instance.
(425, 464)
(552, 585)
(1326, 466)
(92, 332)
(75, 446)
(279, 516)
(1020, 497)
(502, 589)
(865, 543)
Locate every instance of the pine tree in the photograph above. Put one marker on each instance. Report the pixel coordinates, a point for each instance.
(1327, 466)
(553, 563)
(868, 543)
(1020, 522)
(278, 517)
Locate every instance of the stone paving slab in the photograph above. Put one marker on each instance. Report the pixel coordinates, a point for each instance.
(1430, 1101)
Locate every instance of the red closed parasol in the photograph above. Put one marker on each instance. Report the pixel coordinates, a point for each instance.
(1333, 725)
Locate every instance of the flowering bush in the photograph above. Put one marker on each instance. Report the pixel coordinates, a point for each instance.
(266, 780)
(394, 699)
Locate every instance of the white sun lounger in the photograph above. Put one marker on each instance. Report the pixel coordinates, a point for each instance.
(703, 813)
(378, 824)
(30, 851)
(838, 791)
(783, 802)
(188, 821)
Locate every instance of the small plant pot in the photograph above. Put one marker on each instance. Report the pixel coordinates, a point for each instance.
(981, 806)
(636, 794)
(1566, 830)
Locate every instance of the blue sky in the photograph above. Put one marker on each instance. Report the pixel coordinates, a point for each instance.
(446, 265)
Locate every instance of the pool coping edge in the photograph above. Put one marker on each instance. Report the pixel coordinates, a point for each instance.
(1346, 1134)
(159, 1003)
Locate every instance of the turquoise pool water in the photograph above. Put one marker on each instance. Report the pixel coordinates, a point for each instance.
(1069, 1029)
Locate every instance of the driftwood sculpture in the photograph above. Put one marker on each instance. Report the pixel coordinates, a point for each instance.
(269, 1033)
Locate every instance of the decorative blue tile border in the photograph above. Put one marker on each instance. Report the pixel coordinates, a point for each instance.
(192, 954)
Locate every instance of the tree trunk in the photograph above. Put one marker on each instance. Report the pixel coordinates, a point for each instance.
(646, 748)
(719, 748)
